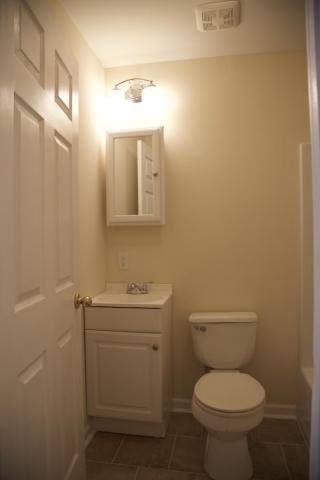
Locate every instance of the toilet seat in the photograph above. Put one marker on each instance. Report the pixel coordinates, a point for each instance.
(229, 392)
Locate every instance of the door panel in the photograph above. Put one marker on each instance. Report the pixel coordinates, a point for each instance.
(67, 408)
(34, 412)
(29, 41)
(29, 151)
(64, 213)
(63, 86)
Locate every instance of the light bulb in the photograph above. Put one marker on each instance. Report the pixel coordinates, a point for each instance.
(150, 94)
(116, 96)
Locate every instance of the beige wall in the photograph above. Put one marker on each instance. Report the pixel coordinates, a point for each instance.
(92, 249)
(306, 211)
(231, 242)
(305, 373)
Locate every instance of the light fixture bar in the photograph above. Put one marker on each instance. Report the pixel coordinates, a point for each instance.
(132, 80)
(137, 84)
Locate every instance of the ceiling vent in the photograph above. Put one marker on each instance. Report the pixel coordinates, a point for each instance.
(218, 15)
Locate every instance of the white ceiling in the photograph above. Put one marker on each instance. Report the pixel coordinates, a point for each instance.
(127, 32)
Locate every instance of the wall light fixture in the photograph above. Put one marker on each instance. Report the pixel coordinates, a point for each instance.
(137, 90)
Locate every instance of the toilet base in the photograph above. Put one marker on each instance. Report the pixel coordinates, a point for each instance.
(227, 456)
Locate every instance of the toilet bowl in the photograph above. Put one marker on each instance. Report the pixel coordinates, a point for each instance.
(228, 405)
(225, 401)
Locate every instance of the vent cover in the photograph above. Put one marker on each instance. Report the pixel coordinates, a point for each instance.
(218, 15)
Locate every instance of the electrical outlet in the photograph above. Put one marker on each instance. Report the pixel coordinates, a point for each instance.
(123, 259)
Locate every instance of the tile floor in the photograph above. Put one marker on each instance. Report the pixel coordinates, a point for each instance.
(277, 448)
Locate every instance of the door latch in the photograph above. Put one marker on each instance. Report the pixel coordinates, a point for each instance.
(84, 301)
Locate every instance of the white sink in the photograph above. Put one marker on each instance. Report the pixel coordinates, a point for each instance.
(115, 296)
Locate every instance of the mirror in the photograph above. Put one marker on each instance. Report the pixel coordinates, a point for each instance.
(135, 177)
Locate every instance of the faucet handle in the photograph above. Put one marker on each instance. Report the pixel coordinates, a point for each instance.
(137, 288)
(131, 287)
(144, 288)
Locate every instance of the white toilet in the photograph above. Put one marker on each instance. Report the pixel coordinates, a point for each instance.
(226, 402)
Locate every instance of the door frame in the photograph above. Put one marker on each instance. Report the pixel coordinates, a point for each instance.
(313, 57)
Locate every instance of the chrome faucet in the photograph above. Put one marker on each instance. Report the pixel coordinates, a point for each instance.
(134, 288)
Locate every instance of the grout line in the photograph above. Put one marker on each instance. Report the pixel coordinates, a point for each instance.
(149, 467)
(172, 451)
(304, 437)
(127, 465)
(137, 471)
(285, 462)
(117, 450)
(95, 461)
(184, 471)
(280, 442)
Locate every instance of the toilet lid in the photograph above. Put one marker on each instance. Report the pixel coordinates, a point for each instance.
(229, 391)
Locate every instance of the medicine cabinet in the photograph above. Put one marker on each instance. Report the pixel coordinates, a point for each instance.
(135, 177)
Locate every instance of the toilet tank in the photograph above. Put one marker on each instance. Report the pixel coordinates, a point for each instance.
(224, 340)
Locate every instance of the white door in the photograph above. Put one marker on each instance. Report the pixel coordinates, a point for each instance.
(41, 400)
(145, 179)
(124, 375)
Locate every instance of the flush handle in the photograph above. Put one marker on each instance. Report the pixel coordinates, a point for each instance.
(155, 347)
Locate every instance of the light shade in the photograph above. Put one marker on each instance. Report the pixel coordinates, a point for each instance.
(150, 93)
(117, 95)
(136, 89)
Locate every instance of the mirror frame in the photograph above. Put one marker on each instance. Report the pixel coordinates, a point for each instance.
(158, 217)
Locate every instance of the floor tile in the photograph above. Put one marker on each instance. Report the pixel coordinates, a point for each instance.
(203, 476)
(273, 430)
(297, 459)
(268, 461)
(102, 471)
(103, 446)
(145, 451)
(163, 474)
(184, 424)
(188, 454)
(277, 449)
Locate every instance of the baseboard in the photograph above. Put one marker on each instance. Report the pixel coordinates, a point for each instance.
(181, 405)
(130, 427)
(88, 435)
(271, 410)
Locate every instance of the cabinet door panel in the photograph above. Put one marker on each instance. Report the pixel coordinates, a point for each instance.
(124, 375)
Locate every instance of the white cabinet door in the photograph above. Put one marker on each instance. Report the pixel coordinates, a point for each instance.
(40, 401)
(124, 375)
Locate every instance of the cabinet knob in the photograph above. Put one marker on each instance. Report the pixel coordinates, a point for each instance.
(155, 346)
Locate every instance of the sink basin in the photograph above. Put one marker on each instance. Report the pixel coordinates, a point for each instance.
(157, 297)
(126, 300)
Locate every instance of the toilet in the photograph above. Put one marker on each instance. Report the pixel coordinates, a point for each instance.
(225, 401)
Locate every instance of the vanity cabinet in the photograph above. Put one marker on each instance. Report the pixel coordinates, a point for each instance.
(128, 368)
